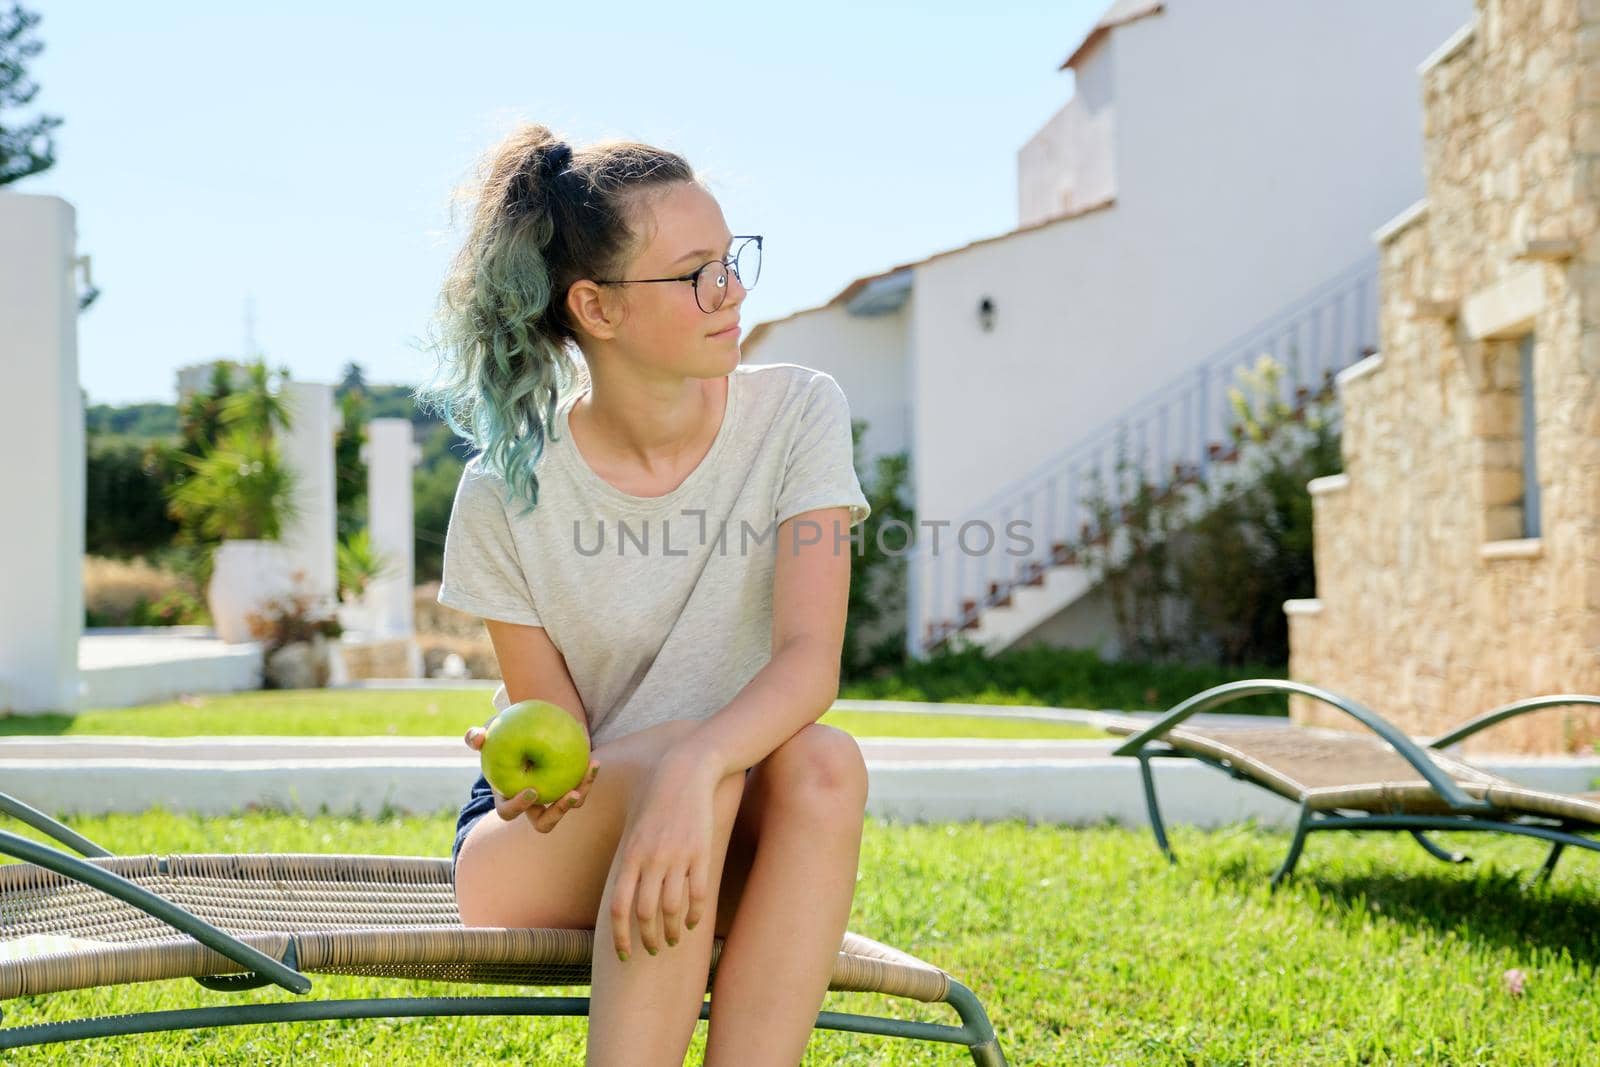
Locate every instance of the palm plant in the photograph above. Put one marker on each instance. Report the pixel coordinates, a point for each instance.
(258, 409)
(239, 490)
(359, 563)
(235, 484)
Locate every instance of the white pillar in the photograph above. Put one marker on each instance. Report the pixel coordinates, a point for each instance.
(41, 438)
(391, 454)
(311, 539)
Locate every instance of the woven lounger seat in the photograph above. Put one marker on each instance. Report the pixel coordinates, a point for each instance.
(363, 915)
(1381, 780)
(385, 916)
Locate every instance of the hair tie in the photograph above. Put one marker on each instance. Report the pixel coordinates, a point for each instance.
(557, 156)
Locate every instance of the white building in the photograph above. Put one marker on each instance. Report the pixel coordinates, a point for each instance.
(1208, 193)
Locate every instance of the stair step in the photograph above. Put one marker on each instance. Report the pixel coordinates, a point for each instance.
(1222, 453)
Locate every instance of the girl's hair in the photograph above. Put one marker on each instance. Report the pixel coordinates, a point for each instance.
(501, 327)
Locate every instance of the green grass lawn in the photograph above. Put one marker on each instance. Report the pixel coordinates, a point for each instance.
(1084, 945)
(368, 712)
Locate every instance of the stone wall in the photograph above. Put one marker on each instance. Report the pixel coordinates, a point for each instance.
(1432, 604)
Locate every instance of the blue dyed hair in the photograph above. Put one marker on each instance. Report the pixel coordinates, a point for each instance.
(543, 217)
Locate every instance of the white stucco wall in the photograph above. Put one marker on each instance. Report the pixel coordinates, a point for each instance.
(1069, 164)
(392, 453)
(1269, 141)
(1257, 148)
(41, 436)
(866, 354)
(312, 536)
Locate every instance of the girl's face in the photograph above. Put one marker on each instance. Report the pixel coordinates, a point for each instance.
(661, 324)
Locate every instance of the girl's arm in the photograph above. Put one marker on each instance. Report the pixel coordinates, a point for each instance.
(533, 669)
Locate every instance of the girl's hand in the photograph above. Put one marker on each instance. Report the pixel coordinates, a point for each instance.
(664, 855)
(543, 816)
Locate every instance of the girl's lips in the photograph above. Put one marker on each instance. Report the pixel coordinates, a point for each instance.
(731, 331)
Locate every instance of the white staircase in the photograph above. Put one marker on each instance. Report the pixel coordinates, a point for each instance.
(1178, 438)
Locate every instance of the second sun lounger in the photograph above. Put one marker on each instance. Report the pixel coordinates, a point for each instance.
(1376, 779)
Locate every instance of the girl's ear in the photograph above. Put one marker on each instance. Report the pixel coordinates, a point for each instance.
(593, 310)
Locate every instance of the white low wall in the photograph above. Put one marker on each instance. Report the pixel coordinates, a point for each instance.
(132, 666)
(1079, 791)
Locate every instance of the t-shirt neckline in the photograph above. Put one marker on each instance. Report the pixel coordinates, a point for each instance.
(586, 474)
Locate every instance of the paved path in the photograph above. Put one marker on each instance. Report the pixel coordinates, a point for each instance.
(451, 749)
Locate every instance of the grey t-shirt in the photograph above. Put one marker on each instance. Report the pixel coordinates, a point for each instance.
(660, 606)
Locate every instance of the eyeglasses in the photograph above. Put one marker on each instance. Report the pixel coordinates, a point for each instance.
(711, 280)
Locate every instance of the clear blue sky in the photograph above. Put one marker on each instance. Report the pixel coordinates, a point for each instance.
(302, 160)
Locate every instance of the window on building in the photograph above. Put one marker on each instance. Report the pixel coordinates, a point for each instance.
(1530, 451)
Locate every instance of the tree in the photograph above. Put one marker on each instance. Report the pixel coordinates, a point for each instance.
(28, 148)
(125, 507)
(352, 380)
(229, 478)
(20, 153)
(879, 570)
(349, 469)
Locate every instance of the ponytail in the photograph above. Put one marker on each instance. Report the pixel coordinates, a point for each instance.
(543, 217)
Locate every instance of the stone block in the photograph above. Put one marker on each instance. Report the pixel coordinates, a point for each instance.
(1497, 414)
(1502, 522)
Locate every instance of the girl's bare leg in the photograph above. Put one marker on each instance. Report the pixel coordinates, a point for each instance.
(804, 805)
(642, 1012)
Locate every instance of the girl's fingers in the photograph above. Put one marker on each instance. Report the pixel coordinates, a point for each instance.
(622, 910)
(551, 814)
(648, 910)
(474, 738)
(510, 807)
(673, 896)
(699, 892)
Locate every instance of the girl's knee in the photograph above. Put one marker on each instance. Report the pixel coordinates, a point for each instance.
(819, 761)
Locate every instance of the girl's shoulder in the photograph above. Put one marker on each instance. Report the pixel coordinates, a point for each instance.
(781, 385)
(778, 373)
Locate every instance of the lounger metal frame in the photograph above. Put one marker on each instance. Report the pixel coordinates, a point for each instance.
(1466, 812)
(259, 969)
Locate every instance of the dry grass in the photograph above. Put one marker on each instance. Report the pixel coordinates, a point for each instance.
(113, 588)
(441, 631)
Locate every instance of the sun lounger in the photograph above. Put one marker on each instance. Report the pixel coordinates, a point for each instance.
(235, 922)
(1374, 779)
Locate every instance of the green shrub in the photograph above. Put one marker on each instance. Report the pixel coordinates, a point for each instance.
(1212, 587)
(1058, 677)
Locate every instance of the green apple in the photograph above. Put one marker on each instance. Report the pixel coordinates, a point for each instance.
(534, 744)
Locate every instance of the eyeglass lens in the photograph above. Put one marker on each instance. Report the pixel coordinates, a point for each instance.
(711, 284)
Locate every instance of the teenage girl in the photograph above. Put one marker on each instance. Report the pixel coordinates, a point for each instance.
(658, 540)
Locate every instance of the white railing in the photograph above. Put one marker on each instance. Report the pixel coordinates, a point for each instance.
(1174, 433)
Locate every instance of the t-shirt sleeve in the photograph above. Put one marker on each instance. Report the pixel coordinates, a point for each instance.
(482, 573)
(820, 470)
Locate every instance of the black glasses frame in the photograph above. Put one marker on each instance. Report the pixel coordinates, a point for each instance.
(693, 276)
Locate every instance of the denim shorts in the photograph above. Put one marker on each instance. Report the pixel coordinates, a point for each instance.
(480, 802)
